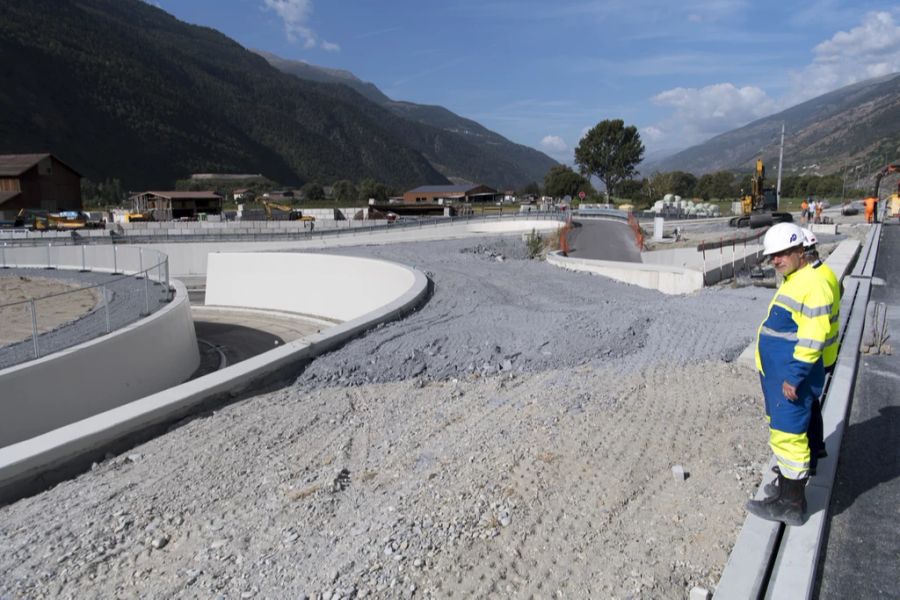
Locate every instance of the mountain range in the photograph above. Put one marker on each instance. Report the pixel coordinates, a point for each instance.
(120, 88)
(500, 159)
(855, 125)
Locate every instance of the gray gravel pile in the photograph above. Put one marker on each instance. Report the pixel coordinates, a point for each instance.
(520, 315)
(127, 304)
(521, 446)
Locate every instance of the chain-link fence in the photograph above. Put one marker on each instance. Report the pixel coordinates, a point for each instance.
(54, 297)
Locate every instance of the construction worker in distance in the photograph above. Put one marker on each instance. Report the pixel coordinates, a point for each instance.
(804, 211)
(871, 205)
(816, 430)
(789, 348)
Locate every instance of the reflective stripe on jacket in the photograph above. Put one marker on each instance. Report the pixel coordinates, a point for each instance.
(829, 355)
(793, 337)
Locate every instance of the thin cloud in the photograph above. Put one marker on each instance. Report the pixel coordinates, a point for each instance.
(871, 49)
(295, 15)
(700, 113)
(377, 32)
(554, 144)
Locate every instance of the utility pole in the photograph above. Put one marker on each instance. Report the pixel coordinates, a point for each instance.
(843, 182)
(780, 160)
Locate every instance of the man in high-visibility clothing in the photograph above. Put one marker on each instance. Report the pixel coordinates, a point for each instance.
(871, 206)
(789, 349)
(816, 430)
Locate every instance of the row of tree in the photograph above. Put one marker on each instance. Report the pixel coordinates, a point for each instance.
(611, 152)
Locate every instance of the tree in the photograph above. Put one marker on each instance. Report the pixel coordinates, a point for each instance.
(531, 189)
(610, 151)
(561, 181)
(630, 189)
(344, 191)
(674, 182)
(369, 188)
(312, 192)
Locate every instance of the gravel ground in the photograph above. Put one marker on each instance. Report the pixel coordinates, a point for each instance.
(126, 305)
(513, 438)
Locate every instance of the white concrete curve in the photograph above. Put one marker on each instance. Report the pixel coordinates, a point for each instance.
(664, 278)
(156, 352)
(21, 462)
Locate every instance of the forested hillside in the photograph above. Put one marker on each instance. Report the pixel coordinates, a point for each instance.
(121, 88)
(460, 148)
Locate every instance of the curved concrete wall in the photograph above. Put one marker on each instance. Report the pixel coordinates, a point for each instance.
(513, 226)
(24, 463)
(84, 380)
(323, 285)
(664, 278)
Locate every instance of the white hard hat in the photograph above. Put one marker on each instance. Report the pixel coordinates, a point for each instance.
(782, 236)
(809, 238)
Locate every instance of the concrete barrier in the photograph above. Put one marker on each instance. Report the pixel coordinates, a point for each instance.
(155, 353)
(512, 226)
(320, 285)
(664, 278)
(31, 464)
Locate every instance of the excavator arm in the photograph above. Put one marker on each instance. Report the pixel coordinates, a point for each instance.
(894, 168)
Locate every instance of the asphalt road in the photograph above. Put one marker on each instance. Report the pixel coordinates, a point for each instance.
(229, 343)
(862, 556)
(603, 240)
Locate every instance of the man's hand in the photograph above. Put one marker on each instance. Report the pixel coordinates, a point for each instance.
(789, 391)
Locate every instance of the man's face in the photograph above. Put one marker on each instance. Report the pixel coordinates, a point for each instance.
(788, 261)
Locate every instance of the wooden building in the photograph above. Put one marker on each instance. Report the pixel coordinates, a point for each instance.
(166, 206)
(436, 194)
(37, 182)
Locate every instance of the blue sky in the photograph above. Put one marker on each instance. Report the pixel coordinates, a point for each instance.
(541, 73)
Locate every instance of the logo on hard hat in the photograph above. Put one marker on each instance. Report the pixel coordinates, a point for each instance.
(793, 237)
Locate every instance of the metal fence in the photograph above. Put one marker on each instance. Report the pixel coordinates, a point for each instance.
(96, 290)
(233, 232)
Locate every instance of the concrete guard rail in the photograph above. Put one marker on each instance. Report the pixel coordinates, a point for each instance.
(253, 231)
(773, 561)
(664, 278)
(30, 465)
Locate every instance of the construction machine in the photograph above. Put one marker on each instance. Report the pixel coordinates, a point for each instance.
(759, 208)
(895, 198)
(294, 214)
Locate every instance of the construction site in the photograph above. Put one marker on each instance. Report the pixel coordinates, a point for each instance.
(463, 409)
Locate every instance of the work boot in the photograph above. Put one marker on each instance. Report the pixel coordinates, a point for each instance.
(788, 505)
(771, 488)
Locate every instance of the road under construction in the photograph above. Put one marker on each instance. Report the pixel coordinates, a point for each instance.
(482, 435)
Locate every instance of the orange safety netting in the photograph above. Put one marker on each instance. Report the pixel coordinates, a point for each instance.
(636, 228)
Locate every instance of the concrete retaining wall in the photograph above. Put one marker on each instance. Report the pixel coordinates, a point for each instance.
(335, 287)
(664, 278)
(524, 225)
(156, 352)
(33, 463)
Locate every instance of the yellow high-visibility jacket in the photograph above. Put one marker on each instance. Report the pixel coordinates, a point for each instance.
(793, 337)
(829, 355)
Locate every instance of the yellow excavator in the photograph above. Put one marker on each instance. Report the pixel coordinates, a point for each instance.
(62, 221)
(294, 214)
(759, 208)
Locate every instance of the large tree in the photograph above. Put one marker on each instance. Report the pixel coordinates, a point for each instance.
(610, 151)
(561, 181)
